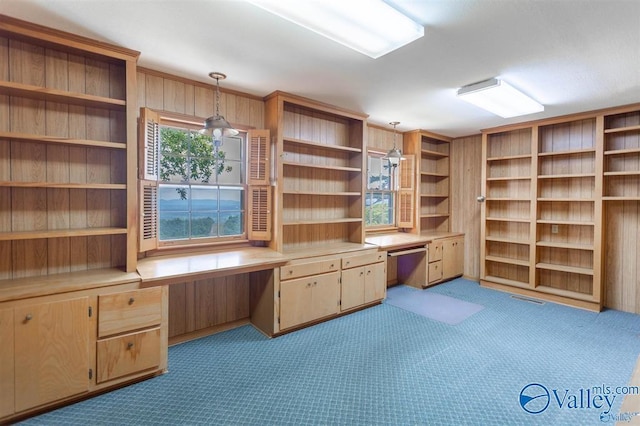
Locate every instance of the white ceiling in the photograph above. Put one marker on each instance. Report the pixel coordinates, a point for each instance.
(570, 55)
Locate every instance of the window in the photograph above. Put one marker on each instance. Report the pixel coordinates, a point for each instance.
(380, 197)
(194, 193)
(201, 188)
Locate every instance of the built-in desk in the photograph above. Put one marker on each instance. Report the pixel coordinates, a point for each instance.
(418, 260)
(177, 269)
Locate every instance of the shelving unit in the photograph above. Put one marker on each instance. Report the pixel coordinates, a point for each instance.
(67, 153)
(432, 180)
(319, 171)
(506, 212)
(568, 211)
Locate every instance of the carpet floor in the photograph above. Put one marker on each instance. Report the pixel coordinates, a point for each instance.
(389, 366)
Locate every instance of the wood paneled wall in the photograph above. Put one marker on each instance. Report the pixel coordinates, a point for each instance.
(164, 92)
(466, 185)
(381, 139)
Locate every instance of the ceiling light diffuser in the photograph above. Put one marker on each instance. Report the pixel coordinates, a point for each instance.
(500, 98)
(371, 27)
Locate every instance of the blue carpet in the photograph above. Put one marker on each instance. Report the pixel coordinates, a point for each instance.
(385, 366)
(431, 304)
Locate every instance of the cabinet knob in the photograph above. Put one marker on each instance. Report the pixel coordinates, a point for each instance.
(331, 267)
(361, 273)
(28, 317)
(129, 345)
(131, 300)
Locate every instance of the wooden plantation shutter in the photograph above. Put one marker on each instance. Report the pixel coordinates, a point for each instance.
(258, 157)
(260, 212)
(406, 191)
(259, 224)
(149, 143)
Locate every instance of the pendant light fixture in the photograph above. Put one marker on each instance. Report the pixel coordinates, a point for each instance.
(216, 126)
(394, 155)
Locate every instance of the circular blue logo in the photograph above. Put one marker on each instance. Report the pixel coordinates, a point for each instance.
(534, 398)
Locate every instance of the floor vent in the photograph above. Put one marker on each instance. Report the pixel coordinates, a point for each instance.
(526, 299)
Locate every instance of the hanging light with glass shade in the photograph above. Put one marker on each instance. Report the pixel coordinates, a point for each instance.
(216, 126)
(394, 155)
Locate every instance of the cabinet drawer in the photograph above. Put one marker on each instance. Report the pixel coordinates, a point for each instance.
(128, 354)
(309, 268)
(363, 259)
(128, 311)
(435, 271)
(435, 251)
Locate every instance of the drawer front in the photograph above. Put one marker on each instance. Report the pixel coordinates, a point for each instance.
(435, 271)
(128, 311)
(435, 251)
(363, 259)
(309, 268)
(128, 354)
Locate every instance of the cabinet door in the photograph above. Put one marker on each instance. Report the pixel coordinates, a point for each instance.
(352, 288)
(375, 282)
(295, 302)
(6, 362)
(453, 257)
(325, 295)
(51, 351)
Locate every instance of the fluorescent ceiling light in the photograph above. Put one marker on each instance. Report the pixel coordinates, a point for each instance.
(500, 98)
(371, 27)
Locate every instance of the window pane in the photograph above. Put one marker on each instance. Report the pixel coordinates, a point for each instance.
(231, 223)
(231, 174)
(231, 199)
(232, 147)
(204, 198)
(173, 168)
(379, 208)
(203, 224)
(174, 198)
(174, 225)
(375, 168)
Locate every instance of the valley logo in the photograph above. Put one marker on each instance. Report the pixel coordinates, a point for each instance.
(536, 398)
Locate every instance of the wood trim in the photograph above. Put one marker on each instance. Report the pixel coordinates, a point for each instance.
(321, 106)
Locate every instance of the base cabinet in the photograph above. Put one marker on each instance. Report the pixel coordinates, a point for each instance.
(364, 280)
(309, 298)
(434, 274)
(452, 257)
(57, 347)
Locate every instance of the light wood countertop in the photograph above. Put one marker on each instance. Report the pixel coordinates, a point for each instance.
(400, 240)
(162, 270)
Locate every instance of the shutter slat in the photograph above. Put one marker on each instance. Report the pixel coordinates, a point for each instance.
(258, 158)
(406, 193)
(148, 215)
(260, 213)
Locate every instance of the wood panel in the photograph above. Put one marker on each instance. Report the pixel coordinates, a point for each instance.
(6, 362)
(466, 182)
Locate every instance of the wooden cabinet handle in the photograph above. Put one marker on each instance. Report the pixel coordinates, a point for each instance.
(129, 345)
(28, 317)
(131, 300)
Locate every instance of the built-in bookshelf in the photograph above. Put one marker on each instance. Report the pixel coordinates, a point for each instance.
(67, 153)
(319, 173)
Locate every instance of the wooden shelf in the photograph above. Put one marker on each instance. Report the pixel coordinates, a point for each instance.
(338, 194)
(612, 198)
(435, 215)
(64, 185)
(60, 233)
(507, 281)
(573, 246)
(568, 176)
(624, 173)
(431, 174)
(434, 154)
(566, 293)
(569, 152)
(622, 151)
(623, 129)
(509, 157)
(507, 199)
(565, 222)
(323, 167)
(572, 200)
(434, 195)
(508, 219)
(69, 141)
(321, 145)
(55, 95)
(507, 240)
(565, 268)
(506, 178)
(323, 221)
(507, 260)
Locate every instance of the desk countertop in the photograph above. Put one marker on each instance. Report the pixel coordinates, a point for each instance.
(400, 240)
(168, 269)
